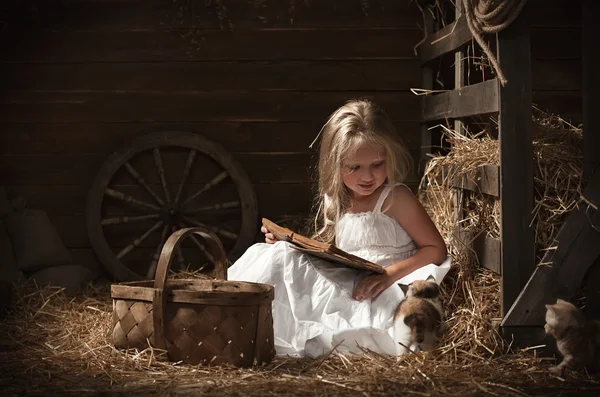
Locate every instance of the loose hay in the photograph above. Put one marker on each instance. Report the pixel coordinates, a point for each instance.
(52, 344)
(558, 164)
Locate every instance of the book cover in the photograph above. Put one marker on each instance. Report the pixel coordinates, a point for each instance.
(320, 249)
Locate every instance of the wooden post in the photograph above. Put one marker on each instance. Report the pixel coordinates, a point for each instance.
(427, 84)
(591, 128)
(516, 169)
(459, 82)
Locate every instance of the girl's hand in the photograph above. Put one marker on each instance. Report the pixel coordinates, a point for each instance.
(269, 237)
(371, 286)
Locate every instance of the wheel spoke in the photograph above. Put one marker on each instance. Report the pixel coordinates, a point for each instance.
(138, 240)
(213, 182)
(156, 257)
(179, 253)
(218, 230)
(217, 207)
(161, 172)
(117, 220)
(200, 246)
(186, 173)
(128, 199)
(133, 172)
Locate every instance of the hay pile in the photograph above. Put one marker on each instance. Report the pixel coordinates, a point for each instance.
(473, 292)
(55, 345)
(51, 344)
(557, 169)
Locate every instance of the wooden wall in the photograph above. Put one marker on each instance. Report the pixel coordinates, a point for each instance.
(82, 77)
(556, 57)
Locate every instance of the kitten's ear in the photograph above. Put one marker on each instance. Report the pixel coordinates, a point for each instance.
(548, 307)
(431, 278)
(404, 288)
(561, 301)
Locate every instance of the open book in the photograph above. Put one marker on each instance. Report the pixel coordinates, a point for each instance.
(323, 250)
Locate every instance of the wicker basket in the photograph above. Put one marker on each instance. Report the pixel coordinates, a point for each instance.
(196, 321)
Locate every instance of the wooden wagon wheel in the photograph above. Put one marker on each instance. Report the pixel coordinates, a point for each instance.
(162, 182)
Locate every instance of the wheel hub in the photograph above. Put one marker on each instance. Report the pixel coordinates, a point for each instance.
(171, 215)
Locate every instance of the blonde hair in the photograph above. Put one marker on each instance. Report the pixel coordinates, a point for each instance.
(354, 124)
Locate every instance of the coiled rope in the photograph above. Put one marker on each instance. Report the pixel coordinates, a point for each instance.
(490, 17)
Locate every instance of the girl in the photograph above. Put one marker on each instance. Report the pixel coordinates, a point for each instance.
(364, 209)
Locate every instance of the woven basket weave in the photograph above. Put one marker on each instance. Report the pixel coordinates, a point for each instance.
(196, 321)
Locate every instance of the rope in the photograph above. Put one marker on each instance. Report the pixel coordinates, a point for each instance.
(490, 17)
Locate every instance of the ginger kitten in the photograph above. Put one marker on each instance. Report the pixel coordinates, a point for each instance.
(577, 337)
(418, 321)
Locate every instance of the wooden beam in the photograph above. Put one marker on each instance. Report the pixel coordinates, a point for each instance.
(484, 180)
(476, 99)
(590, 83)
(563, 269)
(487, 249)
(459, 128)
(516, 168)
(445, 40)
(591, 128)
(426, 83)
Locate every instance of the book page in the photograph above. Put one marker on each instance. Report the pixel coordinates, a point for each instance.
(325, 251)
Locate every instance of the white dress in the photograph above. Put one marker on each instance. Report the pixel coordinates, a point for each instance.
(313, 308)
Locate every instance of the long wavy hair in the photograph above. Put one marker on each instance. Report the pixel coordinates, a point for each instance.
(356, 123)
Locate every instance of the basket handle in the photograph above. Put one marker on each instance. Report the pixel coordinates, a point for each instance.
(213, 245)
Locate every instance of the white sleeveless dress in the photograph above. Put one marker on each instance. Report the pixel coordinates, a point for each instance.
(313, 309)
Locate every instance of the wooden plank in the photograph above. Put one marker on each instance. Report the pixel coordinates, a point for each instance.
(516, 168)
(592, 293)
(371, 75)
(243, 14)
(459, 128)
(591, 129)
(87, 257)
(73, 232)
(555, 13)
(476, 99)
(175, 45)
(556, 75)
(427, 84)
(277, 168)
(459, 69)
(566, 104)
(103, 138)
(69, 200)
(484, 180)
(578, 248)
(72, 106)
(98, 15)
(445, 40)
(591, 83)
(552, 43)
(487, 249)
(202, 14)
(47, 170)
